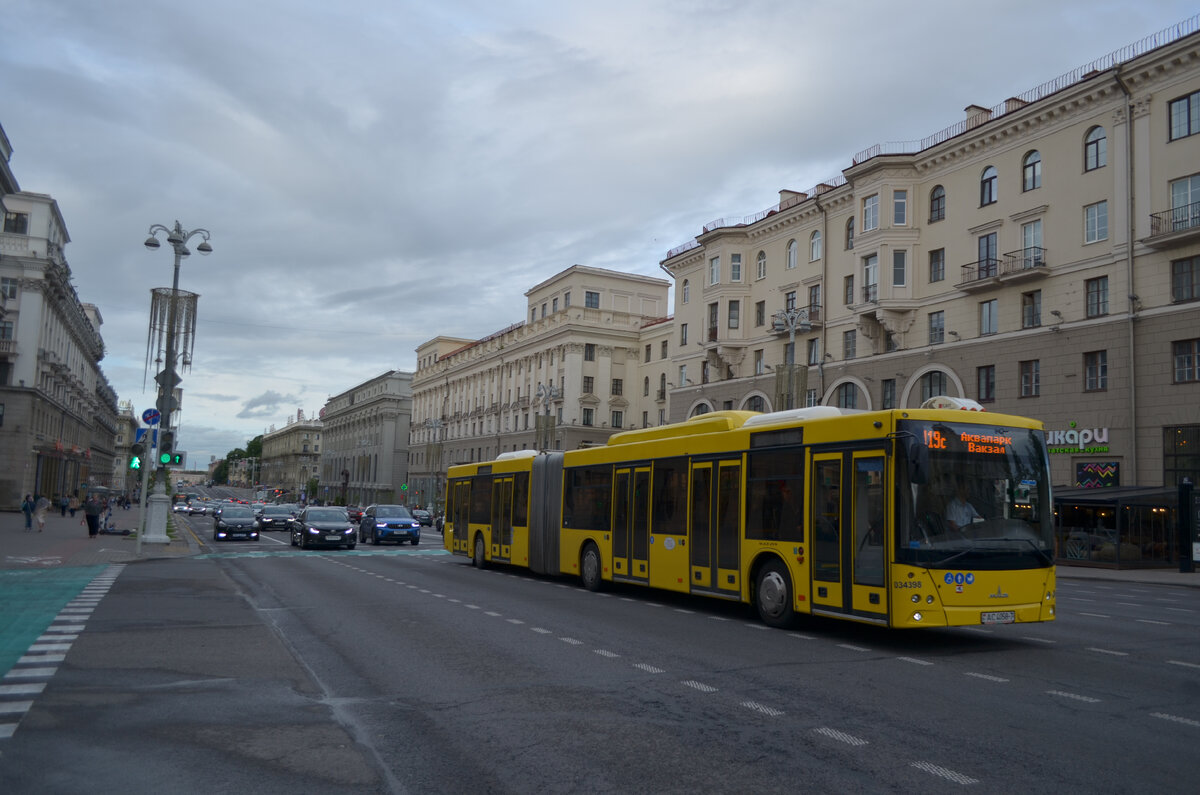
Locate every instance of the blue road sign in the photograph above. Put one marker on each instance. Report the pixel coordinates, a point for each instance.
(151, 416)
(139, 435)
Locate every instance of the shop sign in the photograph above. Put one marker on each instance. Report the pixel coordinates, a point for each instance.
(1078, 440)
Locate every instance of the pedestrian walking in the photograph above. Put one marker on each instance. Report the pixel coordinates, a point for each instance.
(41, 505)
(62, 504)
(27, 509)
(73, 505)
(91, 513)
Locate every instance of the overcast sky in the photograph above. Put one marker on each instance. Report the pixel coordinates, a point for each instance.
(377, 173)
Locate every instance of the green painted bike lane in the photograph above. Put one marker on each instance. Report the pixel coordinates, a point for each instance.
(30, 600)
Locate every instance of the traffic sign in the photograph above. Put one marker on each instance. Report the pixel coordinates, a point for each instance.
(139, 435)
(151, 416)
(162, 377)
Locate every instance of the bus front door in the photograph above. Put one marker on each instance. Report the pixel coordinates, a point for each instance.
(502, 499)
(715, 527)
(631, 524)
(848, 520)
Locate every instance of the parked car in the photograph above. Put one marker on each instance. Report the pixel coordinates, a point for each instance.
(322, 526)
(383, 523)
(234, 521)
(276, 517)
(423, 516)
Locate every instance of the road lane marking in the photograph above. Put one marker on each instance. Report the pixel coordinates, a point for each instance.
(703, 688)
(1176, 718)
(1185, 664)
(840, 736)
(988, 677)
(1108, 651)
(762, 708)
(1075, 696)
(944, 772)
(915, 660)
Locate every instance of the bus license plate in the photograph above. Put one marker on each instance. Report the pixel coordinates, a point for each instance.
(1001, 617)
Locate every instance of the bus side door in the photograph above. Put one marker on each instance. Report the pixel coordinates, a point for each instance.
(716, 526)
(631, 524)
(502, 499)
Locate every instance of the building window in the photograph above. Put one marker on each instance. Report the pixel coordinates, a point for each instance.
(618, 419)
(792, 250)
(714, 270)
(683, 375)
(988, 262)
(589, 417)
(1095, 371)
(814, 246)
(645, 419)
(846, 396)
(932, 385)
(937, 204)
(1031, 171)
(761, 264)
(1031, 384)
(6, 329)
(848, 290)
(937, 327)
(988, 322)
(760, 313)
(543, 310)
(1095, 222)
(759, 363)
(871, 213)
(567, 299)
(899, 207)
(985, 378)
(649, 351)
(1097, 296)
(814, 351)
(714, 313)
(533, 314)
(646, 386)
(755, 403)
(814, 301)
(1186, 354)
(888, 393)
(1185, 116)
(988, 186)
(871, 278)
(1031, 309)
(1185, 203)
(1095, 149)
(1185, 279)
(8, 287)
(850, 233)
(735, 312)
(591, 299)
(618, 387)
(663, 352)
(899, 268)
(683, 328)
(849, 343)
(589, 352)
(554, 306)
(789, 300)
(687, 291)
(735, 267)
(16, 223)
(937, 265)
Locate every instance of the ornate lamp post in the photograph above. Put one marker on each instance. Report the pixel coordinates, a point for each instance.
(547, 393)
(791, 320)
(168, 379)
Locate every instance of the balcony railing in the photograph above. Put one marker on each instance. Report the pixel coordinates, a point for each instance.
(983, 269)
(1024, 259)
(8, 346)
(712, 334)
(1177, 219)
(870, 293)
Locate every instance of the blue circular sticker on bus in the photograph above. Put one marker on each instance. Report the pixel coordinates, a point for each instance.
(959, 579)
(970, 578)
(949, 578)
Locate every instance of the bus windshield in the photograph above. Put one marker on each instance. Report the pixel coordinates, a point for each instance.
(973, 496)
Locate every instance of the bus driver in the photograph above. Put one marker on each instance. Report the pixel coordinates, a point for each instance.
(959, 511)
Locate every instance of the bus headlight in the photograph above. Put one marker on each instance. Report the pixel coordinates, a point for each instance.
(917, 616)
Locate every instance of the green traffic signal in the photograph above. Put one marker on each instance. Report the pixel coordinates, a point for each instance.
(164, 458)
(135, 462)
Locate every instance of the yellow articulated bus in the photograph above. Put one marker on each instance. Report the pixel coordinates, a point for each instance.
(924, 517)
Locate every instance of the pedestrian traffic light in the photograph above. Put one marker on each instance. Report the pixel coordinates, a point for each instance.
(135, 455)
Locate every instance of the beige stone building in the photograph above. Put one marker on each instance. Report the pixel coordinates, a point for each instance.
(1042, 257)
(291, 456)
(576, 359)
(365, 457)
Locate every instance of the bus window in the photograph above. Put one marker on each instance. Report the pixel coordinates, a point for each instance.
(868, 521)
(827, 520)
(775, 503)
(670, 496)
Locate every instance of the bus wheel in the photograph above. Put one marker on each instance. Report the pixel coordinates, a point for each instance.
(589, 568)
(479, 560)
(773, 595)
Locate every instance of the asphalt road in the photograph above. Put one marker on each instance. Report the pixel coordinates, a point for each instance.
(268, 669)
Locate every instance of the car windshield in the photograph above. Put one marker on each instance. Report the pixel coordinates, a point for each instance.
(392, 511)
(420, 512)
(973, 497)
(237, 512)
(276, 510)
(327, 515)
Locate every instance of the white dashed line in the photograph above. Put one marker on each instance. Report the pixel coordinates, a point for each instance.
(1184, 664)
(842, 737)
(1109, 651)
(946, 773)
(915, 660)
(1152, 621)
(606, 653)
(703, 688)
(1095, 615)
(762, 708)
(852, 648)
(988, 677)
(650, 669)
(541, 631)
(572, 641)
(492, 613)
(1075, 696)
(514, 621)
(1176, 718)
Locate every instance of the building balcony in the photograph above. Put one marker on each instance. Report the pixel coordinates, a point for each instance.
(1175, 227)
(980, 275)
(1024, 264)
(8, 347)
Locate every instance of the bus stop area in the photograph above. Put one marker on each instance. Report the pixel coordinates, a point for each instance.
(1124, 527)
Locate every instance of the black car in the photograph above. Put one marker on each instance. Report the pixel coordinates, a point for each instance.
(323, 527)
(276, 517)
(382, 523)
(235, 521)
(423, 516)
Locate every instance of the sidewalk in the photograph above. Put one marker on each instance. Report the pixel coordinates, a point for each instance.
(65, 542)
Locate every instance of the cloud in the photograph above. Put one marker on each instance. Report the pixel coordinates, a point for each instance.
(267, 405)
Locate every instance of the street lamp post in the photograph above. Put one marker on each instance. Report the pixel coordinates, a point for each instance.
(547, 393)
(168, 379)
(792, 320)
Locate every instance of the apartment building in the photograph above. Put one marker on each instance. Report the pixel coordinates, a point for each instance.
(1041, 256)
(365, 458)
(563, 378)
(291, 456)
(58, 413)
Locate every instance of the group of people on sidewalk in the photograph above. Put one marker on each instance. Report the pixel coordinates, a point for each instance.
(36, 507)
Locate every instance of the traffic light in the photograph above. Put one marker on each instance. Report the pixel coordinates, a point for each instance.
(166, 445)
(135, 455)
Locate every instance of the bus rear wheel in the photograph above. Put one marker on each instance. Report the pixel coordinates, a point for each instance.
(773, 595)
(479, 559)
(589, 568)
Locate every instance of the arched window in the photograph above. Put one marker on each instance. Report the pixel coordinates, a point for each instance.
(703, 408)
(762, 264)
(850, 233)
(756, 403)
(687, 290)
(933, 384)
(791, 254)
(846, 396)
(988, 185)
(1095, 149)
(937, 204)
(814, 246)
(1031, 171)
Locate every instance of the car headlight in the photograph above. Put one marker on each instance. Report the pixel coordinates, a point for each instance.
(382, 525)
(313, 530)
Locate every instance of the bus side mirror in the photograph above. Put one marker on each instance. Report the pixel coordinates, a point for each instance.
(918, 462)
